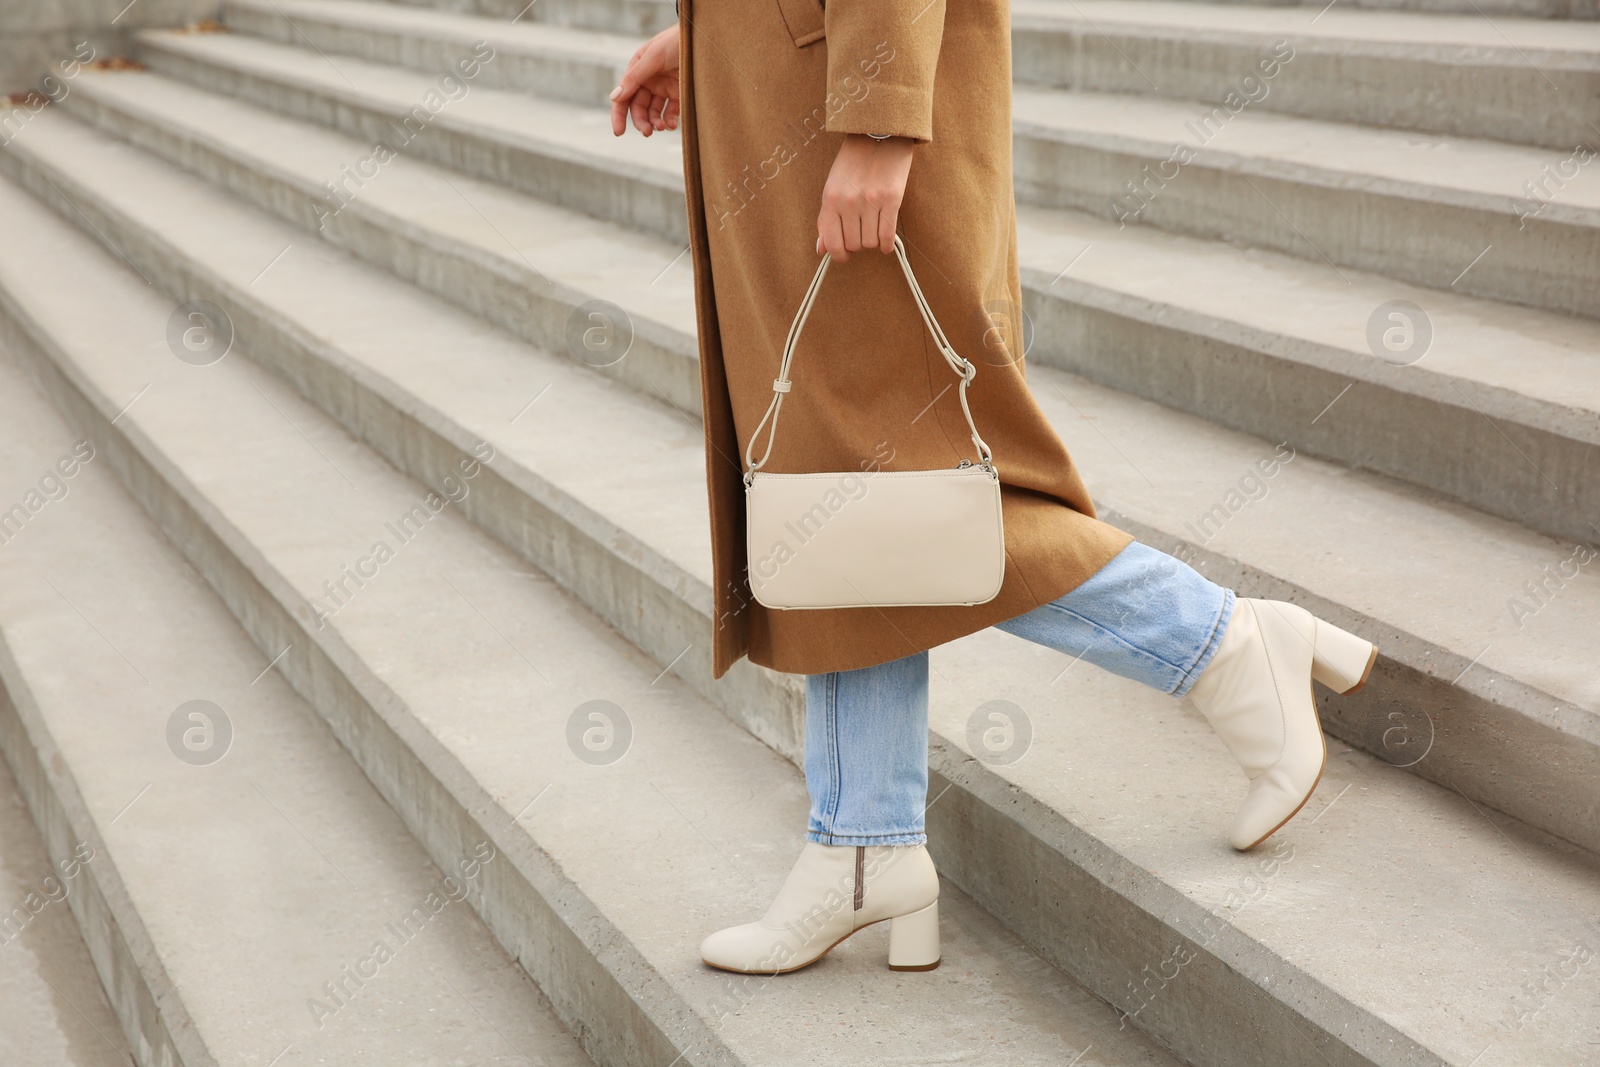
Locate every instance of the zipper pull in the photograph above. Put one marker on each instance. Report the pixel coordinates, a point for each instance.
(964, 463)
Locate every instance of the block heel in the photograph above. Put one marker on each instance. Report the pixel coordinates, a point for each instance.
(914, 940)
(814, 911)
(1341, 661)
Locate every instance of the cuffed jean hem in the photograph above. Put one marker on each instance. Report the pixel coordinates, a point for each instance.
(867, 839)
(1224, 615)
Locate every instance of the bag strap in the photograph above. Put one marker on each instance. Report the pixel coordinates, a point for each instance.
(782, 384)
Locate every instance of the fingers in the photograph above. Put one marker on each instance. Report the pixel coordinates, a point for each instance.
(636, 93)
(869, 226)
(855, 230)
(862, 198)
(840, 233)
(619, 112)
(622, 95)
(830, 236)
(643, 65)
(888, 220)
(649, 110)
(850, 222)
(640, 106)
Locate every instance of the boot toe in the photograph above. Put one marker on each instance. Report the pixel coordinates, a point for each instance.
(730, 948)
(750, 948)
(1273, 800)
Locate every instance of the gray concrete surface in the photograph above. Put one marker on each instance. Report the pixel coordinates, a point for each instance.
(225, 891)
(1499, 407)
(519, 262)
(547, 60)
(546, 148)
(53, 1009)
(1436, 211)
(38, 34)
(1537, 9)
(634, 17)
(1529, 81)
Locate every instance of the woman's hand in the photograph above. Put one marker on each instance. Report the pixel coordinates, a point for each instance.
(649, 87)
(861, 202)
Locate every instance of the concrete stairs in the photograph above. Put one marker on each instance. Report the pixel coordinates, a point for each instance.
(1440, 904)
(52, 1006)
(1288, 336)
(241, 872)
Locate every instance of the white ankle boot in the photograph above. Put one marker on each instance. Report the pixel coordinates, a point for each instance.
(1256, 693)
(831, 892)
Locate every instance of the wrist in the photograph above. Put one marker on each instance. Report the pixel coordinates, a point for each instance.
(884, 141)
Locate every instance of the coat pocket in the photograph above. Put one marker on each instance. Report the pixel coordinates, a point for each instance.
(804, 20)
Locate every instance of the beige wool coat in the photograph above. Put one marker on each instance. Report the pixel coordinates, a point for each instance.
(769, 88)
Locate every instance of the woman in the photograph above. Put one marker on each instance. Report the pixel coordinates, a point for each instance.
(802, 125)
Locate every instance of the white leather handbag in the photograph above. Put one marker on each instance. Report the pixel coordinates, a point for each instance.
(873, 538)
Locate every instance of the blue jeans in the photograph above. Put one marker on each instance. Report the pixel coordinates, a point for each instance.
(1145, 615)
